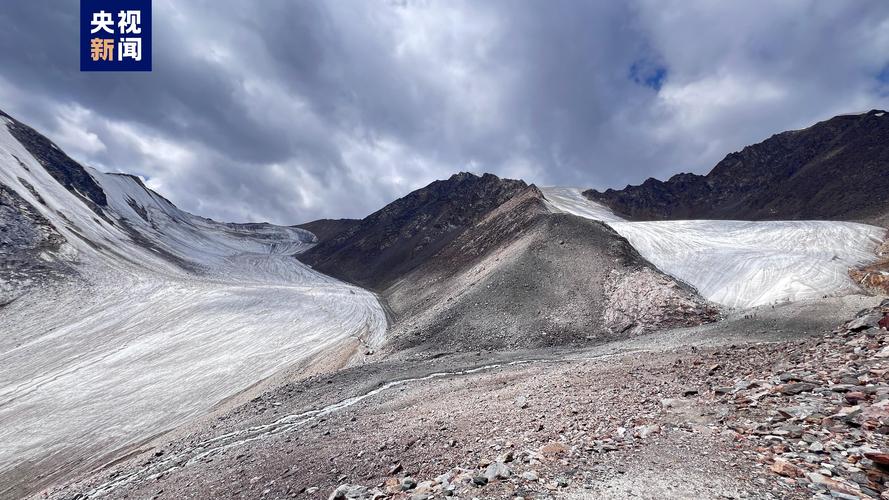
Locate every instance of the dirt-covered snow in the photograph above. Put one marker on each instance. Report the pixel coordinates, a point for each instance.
(742, 263)
(170, 315)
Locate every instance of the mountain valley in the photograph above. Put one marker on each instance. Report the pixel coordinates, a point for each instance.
(719, 336)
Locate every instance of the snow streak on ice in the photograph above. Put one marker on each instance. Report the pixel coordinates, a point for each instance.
(740, 263)
(174, 314)
(569, 200)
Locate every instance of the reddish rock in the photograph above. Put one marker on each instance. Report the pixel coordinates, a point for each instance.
(553, 448)
(784, 468)
(877, 411)
(884, 323)
(879, 457)
(833, 485)
(855, 397)
(392, 485)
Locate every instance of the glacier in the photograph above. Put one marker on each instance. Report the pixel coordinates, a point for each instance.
(742, 264)
(170, 315)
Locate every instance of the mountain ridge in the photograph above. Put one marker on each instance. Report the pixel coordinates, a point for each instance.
(409, 230)
(526, 277)
(123, 317)
(837, 169)
(62, 167)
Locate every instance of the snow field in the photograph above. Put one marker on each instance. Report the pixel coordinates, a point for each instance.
(742, 264)
(140, 344)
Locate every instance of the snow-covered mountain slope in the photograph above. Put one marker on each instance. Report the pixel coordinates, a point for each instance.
(739, 263)
(165, 315)
(569, 200)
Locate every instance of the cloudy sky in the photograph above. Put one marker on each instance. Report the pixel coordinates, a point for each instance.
(288, 111)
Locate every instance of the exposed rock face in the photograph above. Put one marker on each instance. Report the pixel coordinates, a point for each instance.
(524, 277)
(68, 172)
(645, 299)
(410, 230)
(836, 169)
(30, 247)
(875, 277)
(325, 229)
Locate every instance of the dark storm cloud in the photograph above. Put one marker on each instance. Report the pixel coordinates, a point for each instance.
(288, 111)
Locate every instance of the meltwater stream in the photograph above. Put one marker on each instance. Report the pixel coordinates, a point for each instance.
(223, 442)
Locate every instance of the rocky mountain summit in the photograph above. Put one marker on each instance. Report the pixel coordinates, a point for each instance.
(524, 276)
(837, 169)
(65, 170)
(409, 231)
(482, 262)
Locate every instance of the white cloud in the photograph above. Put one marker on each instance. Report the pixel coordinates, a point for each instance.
(293, 111)
(72, 135)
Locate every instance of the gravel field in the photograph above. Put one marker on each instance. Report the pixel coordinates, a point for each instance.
(616, 419)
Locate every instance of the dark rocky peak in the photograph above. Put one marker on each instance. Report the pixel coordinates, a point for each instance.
(325, 229)
(463, 186)
(408, 231)
(66, 171)
(835, 169)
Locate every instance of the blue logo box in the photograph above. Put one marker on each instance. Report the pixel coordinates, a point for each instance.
(115, 35)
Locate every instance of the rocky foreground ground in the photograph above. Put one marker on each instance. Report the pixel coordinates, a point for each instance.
(819, 419)
(779, 403)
